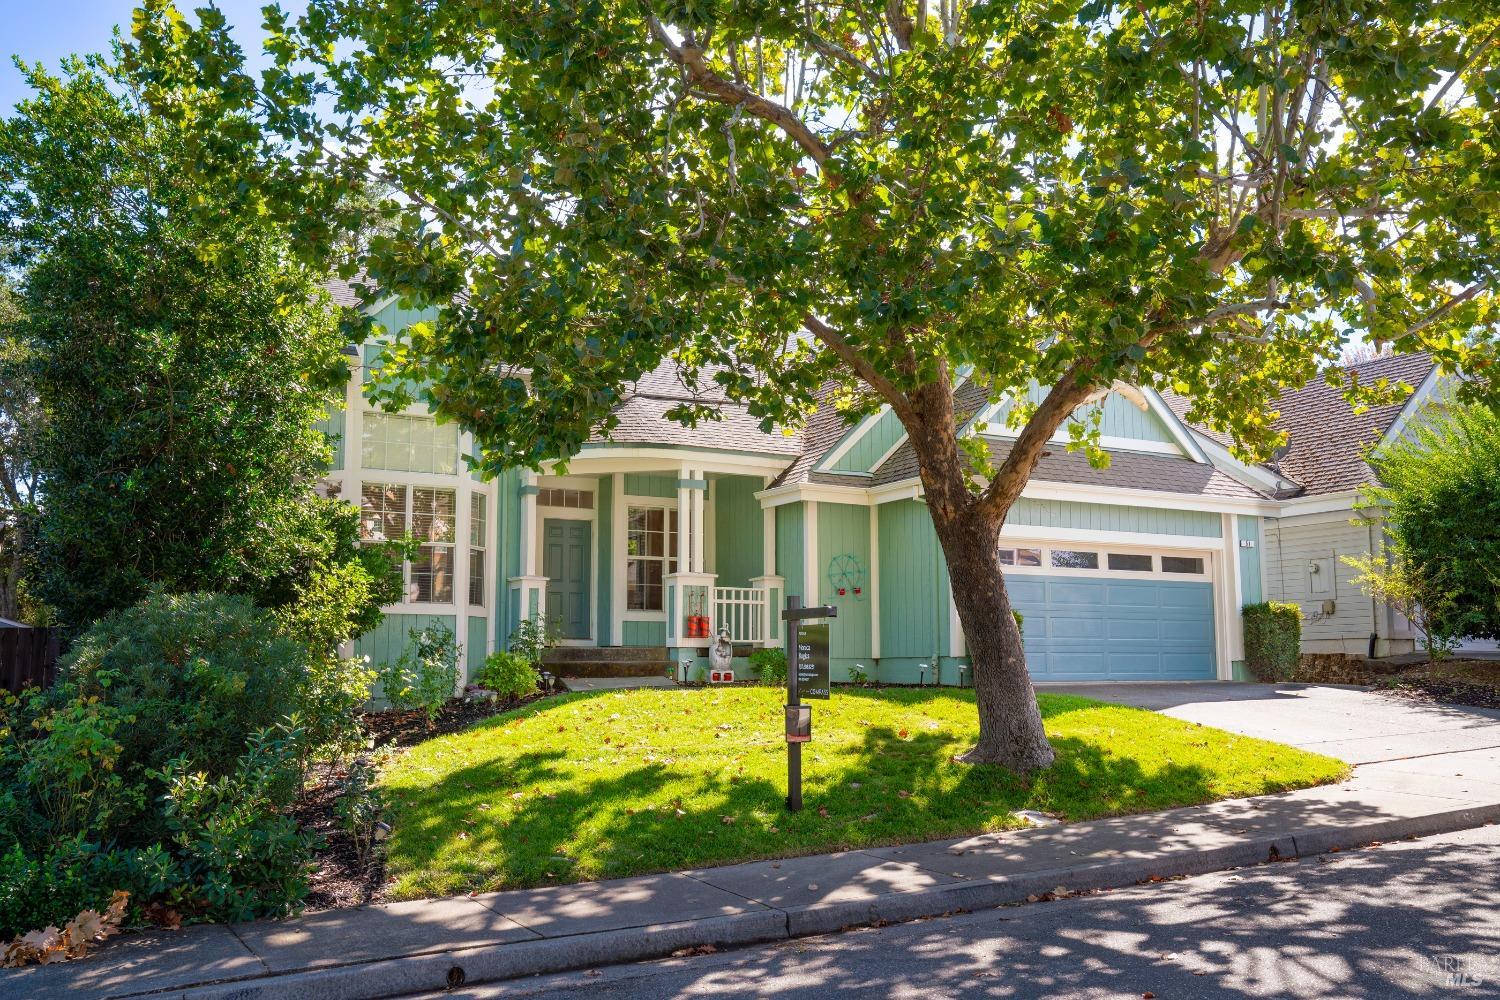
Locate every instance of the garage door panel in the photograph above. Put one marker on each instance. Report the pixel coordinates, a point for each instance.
(1113, 629)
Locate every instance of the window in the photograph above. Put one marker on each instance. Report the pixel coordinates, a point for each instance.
(651, 550)
(1130, 562)
(1020, 557)
(408, 443)
(1181, 564)
(391, 511)
(552, 496)
(1071, 559)
(478, 534)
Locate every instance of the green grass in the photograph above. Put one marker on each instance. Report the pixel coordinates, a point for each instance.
(603, 785)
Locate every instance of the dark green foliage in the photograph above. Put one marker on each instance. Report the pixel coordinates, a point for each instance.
(1273, 639)
(196, 675)
(770, 665)
(509, 674)
(1440, 493)
(180, 356)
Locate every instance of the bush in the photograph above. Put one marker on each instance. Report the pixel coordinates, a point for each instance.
(1423, 594)
(532, 636)
(240, 857)
(509, 674)
(1273, 639)
(361, 806)
(195, 675)
(770, 665)
(426, 675)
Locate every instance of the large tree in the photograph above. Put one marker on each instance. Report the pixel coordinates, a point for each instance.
(18, 427)
(177, 357)
(862, 202)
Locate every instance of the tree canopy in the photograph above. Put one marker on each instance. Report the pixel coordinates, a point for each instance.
(179, 358)
(861, 203)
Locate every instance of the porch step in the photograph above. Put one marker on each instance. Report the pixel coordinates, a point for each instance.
(607, 661)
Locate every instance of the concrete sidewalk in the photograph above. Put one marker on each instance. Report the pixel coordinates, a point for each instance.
(409, 947)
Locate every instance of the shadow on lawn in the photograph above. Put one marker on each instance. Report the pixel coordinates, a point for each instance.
(489, 825)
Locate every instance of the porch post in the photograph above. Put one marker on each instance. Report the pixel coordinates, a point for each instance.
(771, 586)
(529, 590)
(689, 589)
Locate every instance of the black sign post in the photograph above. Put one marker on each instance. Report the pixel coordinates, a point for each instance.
(806, 660)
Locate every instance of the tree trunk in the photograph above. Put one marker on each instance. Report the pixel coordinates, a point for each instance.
(1010, 725)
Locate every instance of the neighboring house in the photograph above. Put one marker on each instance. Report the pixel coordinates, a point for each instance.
(661, 534)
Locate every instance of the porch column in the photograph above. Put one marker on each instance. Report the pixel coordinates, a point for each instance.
(771, 586)
(528, 591)
(689, 590)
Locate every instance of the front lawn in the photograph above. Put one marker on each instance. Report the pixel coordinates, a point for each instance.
(601, 785)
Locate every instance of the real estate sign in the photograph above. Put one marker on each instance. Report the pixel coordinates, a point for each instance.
(812, 660)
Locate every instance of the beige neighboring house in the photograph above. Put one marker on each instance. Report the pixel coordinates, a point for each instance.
(1323, 473)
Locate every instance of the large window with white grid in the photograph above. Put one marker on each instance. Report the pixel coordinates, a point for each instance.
(391, 511)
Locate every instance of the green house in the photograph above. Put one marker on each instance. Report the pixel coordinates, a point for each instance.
(660, 535)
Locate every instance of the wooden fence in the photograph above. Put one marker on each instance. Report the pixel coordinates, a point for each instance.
(28, 658)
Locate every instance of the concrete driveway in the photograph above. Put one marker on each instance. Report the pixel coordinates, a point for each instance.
(1349, 723)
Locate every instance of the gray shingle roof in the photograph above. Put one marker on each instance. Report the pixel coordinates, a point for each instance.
(344, 293)
(643, 420)
(1162, 473)
(1327, 440)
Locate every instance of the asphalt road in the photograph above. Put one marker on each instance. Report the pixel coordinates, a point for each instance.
(1411, 919)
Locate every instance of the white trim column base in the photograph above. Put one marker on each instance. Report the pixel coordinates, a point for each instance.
(775, 591)
(688, 594)
(531, 599)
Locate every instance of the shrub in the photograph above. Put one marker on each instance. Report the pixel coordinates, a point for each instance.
(770, 664)
(858, 674)
(240, 856)
(426, 675)
(195, 675)
(509, 674)
(1422, 593)
(361, 806)
(1273, 639)
(531, 638)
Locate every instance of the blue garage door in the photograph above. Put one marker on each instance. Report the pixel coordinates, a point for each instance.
(1115, 629)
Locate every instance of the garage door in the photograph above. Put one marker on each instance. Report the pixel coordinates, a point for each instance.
(1084, 621)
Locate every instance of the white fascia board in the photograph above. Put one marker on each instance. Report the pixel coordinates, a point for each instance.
(1108, 442)
(850, 439)
(1019, 533)
(597, 459)
(1253, 476)
(1418, 399)
(1179, 430)
(816, 492)
(1341, 502)
(1115, 495)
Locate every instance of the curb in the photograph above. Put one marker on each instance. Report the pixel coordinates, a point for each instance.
(437, 971)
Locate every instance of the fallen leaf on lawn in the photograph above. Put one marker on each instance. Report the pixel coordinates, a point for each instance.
(902, 734)
(903, 793)
(823, 811)
(518, 795)
(727, 820)
(867, 817)
(680, 813)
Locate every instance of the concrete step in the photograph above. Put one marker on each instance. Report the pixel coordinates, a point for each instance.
(604, 654)
(634, 668)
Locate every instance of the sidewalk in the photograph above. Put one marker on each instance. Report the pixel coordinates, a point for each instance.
(400, 948)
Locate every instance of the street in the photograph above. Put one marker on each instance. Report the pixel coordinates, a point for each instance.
(1417, 918)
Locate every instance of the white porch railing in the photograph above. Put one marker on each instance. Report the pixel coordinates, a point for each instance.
(743, 611)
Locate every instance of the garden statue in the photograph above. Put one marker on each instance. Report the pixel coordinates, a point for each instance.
(721, 654)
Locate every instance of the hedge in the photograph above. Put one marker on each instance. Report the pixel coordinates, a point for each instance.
(1273, 638)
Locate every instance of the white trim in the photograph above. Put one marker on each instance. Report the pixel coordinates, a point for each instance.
(1325, 503)
(545, 514)
(1116, 496)
(1421, 393)
(812, 492)
(891, 451)
(1109, 442)
(957, 642)
(1018, 534)
(618, 548)
(810, 582)
(1257, 476)
(1205, 549)
(597, 459)
(768, 541)
(1229, 586)
(1179, 430)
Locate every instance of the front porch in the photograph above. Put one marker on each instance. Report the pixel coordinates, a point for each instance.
(620, 553)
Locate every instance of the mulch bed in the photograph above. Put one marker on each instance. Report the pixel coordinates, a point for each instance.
(341, 878)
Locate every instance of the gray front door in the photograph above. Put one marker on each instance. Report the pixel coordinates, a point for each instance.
(566, 547)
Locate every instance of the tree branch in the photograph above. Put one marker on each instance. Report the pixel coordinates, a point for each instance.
(691, 58)
(1067, 395)
(847, 353)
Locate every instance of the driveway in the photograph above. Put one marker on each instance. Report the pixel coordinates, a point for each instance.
(1352, 724)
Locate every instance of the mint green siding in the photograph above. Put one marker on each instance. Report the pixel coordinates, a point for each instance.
(651, 484)
(1250, 589)
(789, 547)
(913, 588)
(604, 501)
(387, 641)
(478, 644)
(1112, 517)
(644, 633)
(1121, 418)
(508, 555)
(872, 438)
(844, 543)
(738, 535)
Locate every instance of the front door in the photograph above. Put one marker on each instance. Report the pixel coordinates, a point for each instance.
(566, 545)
